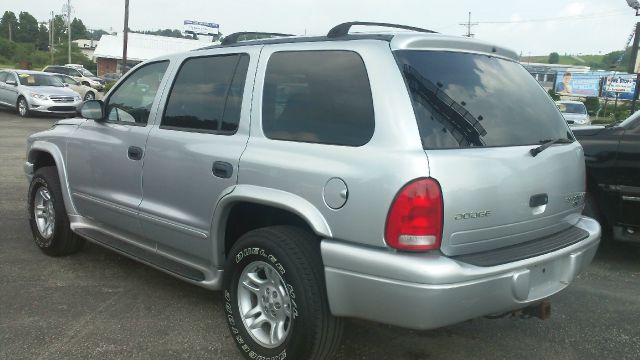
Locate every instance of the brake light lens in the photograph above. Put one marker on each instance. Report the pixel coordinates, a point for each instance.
(414, 221)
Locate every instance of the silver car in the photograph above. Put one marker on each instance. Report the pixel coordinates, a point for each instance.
(413, 179)
(574, 112)
(34, 91)
(86, 92)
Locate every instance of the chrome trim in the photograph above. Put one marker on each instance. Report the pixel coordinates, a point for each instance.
(631, 198)
(120, 208)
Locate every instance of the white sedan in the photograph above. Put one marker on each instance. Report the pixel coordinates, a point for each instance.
(86, 92)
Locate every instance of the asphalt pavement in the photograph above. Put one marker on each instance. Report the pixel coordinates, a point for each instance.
(99, 305)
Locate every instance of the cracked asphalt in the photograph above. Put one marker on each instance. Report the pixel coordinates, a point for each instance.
(99, 305)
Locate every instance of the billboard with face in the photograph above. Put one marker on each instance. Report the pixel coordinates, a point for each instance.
(577, 84)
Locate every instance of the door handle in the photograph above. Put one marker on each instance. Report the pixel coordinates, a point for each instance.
(222, 169)
(134, 153)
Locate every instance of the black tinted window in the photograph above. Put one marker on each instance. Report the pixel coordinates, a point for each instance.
(467, 100)
(319, 97)
(207, 94)
(131, 102)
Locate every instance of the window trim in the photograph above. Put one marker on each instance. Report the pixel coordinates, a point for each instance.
(122, 81)
(366, 71)
(206, 131)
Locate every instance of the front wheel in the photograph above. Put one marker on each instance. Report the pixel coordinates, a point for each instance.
(47, 215)
(275, 298)
(23, 107)
(89, 96)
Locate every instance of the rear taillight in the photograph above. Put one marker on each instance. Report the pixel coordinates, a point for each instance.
(414, 221)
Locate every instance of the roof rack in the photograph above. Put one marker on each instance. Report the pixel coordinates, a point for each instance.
(233, 38)
(343, 29)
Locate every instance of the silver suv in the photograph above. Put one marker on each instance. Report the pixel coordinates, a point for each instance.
(413, 179)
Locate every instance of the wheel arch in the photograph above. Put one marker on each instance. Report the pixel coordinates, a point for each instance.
(250, 207)
(42, 153)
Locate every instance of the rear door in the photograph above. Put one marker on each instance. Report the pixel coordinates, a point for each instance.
(192, 156)
(479, 116)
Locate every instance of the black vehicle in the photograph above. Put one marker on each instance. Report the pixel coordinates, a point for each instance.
(612, 155)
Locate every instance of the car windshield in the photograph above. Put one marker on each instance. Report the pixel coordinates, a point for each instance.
(86, 72)
(571, 108)
(464, 100)
(39, 80)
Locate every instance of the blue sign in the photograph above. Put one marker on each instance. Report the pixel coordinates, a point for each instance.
(577, 84)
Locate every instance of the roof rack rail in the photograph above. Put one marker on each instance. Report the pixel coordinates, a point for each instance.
(343, 29)
(233, 38)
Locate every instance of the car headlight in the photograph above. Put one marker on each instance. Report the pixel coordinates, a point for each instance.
(39, 96)
(77, 98)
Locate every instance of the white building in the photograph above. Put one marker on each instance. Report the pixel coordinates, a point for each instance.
(140, 47)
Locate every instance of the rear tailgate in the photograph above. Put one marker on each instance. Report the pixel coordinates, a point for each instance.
(487, 194)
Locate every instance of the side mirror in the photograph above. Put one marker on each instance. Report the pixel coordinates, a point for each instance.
(65, 84)
(92, 110)
(11, 82)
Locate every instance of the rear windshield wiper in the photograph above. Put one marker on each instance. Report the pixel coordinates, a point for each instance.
(548, 143)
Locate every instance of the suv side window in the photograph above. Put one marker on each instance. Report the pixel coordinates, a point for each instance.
(207, 94)
(55, 70)
(318, 97)
(131, 101)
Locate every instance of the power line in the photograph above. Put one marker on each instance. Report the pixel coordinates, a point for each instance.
(560, 18)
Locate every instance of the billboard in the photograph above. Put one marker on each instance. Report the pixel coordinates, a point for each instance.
(623, 85)
(200, 27)
(577, 84)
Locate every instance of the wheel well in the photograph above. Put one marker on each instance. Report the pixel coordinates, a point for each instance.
(40, 159)
(244, 217)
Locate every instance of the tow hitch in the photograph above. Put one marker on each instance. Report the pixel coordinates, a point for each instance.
(541, 310)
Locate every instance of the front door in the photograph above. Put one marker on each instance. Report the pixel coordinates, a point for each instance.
(192, 156)
(628, 166)
(105, 158)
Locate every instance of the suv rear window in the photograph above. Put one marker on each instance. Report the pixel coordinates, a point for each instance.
(464, 100)
(318, 97)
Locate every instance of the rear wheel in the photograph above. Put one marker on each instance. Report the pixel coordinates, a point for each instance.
(23, 107)
(47, 215)
(275, 298)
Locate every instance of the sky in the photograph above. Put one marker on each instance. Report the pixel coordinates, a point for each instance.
(528, 27)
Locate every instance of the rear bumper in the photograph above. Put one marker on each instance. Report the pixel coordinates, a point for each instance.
(425, 291)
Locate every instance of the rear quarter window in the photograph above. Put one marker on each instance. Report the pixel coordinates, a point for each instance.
(318, 97)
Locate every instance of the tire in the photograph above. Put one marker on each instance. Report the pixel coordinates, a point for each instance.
(89, 96)
(309, 331)
(58, 240)
(22, 107)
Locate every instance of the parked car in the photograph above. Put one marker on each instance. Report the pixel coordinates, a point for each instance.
(574, 112)
(316, 178)
(86, 92)
(612, 155)
(84, 76)
(111, 77)
(35, 91)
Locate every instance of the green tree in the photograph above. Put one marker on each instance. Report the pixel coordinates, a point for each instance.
(78, 30)
(609, 60)
(554, 58)
(9, 19)
(60, 29)
(43, 38)
(27, 28)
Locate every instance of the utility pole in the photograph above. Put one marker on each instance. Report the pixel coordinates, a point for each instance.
(10, 37)
(632, 65)
(468, 25)
(125, 35)
(69, 27)
(52, 30)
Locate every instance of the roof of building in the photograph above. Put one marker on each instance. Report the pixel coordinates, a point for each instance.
(141, 47)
